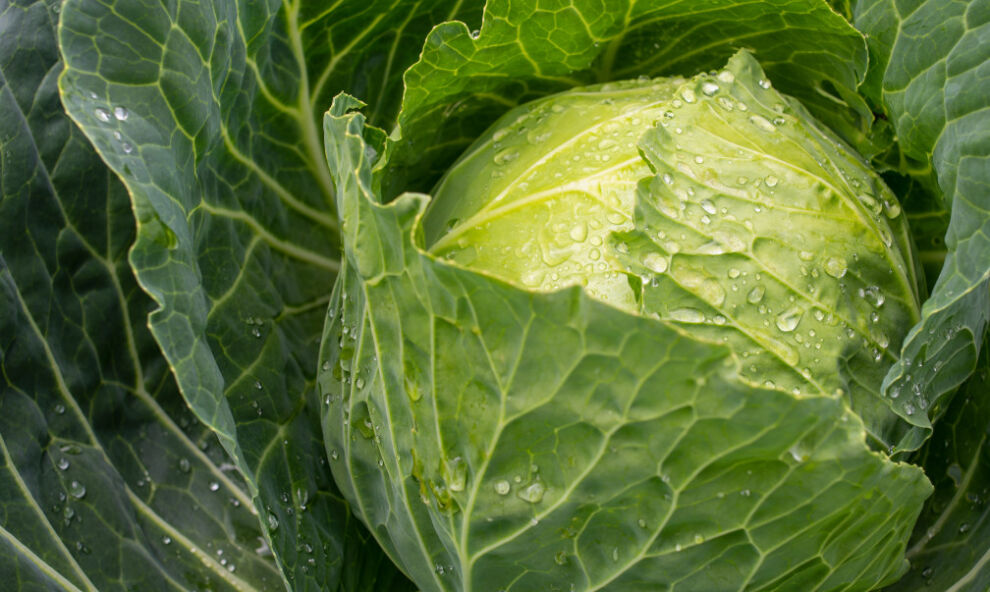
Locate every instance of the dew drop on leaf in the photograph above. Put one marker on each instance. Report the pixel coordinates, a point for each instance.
(687, 315)
(77, 490)
(532, 493)
(788, 320)
(756, 295)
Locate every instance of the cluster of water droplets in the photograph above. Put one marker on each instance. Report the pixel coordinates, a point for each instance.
(114, 115)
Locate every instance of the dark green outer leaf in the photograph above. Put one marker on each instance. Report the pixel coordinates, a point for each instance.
(932, 74)
(208, 111)
(524, 49)
(107, 482)
(495, 439)
(950, 549)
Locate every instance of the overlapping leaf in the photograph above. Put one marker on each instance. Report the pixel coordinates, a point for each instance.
(465, 79)
(207, 112)
(932, 69)
(107, 481)
(950, 549)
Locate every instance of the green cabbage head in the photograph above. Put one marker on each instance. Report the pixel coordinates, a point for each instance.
(714, 203)
(635, 340)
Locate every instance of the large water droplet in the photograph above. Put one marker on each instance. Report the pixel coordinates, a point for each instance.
(120, 113)
(756, 294)
(762, 123)
(788, 320)
(655, 262)
(687, 315)
(102, 114)
(502, 487)
(457, 474)
(709, 88)
(77, 490)
(579, 232)
(532, 493)
(835, 267)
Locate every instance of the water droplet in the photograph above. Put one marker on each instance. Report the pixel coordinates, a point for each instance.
(733, 273)
(272, 522)
(688, 95)
(62, 463)
(560, 558)
(698, 539)
(120, 113)
(726, 76)
(77, 490)
(709, 88)
(764, 84)
(457, 478)
(788, 320)
(214, 486)
(579, 232)
(873, 295)
(655, 262)
(687, 315)
(762, 123)
(184, 465)
(708, 206)
(891, 208)
(59, 409)
(771, 181)
(505, 156)
(502, 487)
(102, 114)
(756, 295)
(532, 493)
(835, 267)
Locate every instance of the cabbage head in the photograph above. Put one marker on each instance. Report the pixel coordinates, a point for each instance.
(635, 340)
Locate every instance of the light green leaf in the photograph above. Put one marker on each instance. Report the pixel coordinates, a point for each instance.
(498, 439)
(107, 482)
(932, 73)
